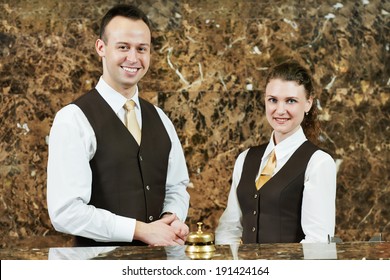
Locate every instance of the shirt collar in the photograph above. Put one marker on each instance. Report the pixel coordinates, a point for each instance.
(288, 145)
(114, 98)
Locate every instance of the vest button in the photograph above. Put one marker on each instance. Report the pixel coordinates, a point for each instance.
(253, 229)
(148, 188)
(150, 218)
(254, 212)
(255, 196)
(140, 158)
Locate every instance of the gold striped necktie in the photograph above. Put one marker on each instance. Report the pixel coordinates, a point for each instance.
(131, 120)
(268, 170)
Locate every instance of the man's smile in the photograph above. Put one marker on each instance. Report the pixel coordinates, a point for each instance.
(130, 69)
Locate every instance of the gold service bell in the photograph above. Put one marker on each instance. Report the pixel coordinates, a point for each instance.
(200, 245)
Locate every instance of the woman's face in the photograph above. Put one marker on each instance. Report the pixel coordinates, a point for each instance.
(285, 106)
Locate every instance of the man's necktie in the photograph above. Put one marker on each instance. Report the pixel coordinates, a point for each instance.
(131, 120)
(268, 170)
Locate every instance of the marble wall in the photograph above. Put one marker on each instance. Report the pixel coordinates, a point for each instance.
(208, 68)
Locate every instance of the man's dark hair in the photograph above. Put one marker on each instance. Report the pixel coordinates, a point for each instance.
(123, 10)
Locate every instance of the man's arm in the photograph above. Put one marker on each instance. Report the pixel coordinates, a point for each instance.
(69, 179)
(176, 196)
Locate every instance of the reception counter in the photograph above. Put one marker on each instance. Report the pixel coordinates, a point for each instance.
(293, 251)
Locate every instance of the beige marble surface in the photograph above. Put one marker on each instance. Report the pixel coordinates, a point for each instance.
(207, 73)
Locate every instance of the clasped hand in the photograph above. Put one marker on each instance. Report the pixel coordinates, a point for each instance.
(168, 231)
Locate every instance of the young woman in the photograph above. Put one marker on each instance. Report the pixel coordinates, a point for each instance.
(294, 200)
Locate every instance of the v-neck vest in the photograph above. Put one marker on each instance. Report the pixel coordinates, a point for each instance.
(127, 179)
(273, 213)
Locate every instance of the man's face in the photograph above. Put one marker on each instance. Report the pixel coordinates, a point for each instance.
(125, 51)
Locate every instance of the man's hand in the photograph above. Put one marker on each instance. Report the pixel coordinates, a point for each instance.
(181, 229)
(160, 232)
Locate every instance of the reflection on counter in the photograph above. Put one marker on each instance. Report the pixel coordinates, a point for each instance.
(319, 251)
(290, 251)
(78, 253)
(88, 253)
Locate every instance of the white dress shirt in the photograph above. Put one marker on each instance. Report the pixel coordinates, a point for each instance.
(319, 195)
(72, 144)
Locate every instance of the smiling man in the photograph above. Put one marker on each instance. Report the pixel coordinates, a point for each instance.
(124, 46)
(116, 169)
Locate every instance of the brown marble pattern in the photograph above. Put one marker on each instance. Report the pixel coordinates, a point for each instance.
(314, 251)
(208, 67)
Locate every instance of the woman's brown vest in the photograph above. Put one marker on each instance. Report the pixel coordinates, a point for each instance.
(273, 213)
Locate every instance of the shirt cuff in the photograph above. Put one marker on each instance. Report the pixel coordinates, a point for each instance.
(178, 213)
(124, 229)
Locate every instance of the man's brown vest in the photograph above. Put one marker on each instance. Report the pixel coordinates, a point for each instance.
(127, 179)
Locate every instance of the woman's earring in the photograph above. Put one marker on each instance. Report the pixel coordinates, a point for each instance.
(306, 113)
